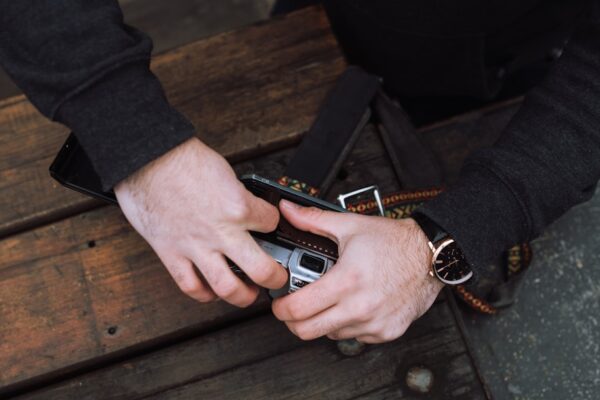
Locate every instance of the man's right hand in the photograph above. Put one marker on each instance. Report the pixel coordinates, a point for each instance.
(194, 212)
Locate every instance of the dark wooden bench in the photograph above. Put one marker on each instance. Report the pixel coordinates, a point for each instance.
(87, 311)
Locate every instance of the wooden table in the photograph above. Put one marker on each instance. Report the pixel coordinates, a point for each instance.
(88, 312)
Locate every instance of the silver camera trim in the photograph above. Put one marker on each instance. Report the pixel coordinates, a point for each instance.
(298, 276)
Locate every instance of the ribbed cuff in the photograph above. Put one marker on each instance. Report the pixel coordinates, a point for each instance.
(124, 121)
(481, 213)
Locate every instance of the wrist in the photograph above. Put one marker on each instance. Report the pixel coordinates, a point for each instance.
(172, 158)
(421, 245)
(448, 262)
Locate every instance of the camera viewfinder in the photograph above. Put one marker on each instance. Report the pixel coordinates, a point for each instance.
(312, 263)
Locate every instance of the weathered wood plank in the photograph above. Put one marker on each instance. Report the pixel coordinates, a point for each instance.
(83, 288)
(89, 273)
(184, 362)
(317, 370)
(55, 284)
(247, 92)
(261, 359)
(177, 22)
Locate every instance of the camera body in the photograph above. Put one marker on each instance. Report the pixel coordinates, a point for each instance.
(303, 266)
(305, 255)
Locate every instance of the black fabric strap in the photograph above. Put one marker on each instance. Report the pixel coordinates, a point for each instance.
(432, 230)
(414, 163)
(341, 118)
(336, 129)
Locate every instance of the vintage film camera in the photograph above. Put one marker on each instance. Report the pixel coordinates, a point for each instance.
(303, 266)
(305, 256)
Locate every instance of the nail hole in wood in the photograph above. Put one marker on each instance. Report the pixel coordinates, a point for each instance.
(112, 330)
(91, 244)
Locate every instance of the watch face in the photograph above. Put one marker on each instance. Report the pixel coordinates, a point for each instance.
(450, 264)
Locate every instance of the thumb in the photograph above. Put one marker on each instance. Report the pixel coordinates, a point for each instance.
(332, 225)
(264, 216)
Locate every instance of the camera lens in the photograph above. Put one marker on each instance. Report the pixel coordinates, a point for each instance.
(312, 263)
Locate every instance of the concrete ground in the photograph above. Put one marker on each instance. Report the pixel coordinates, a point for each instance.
(547, 346)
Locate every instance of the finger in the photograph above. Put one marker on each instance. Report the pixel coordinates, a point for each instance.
(332, 225)
(378, 335)
(260, 267)
(189, 282)
(349, 332)
(224, 282)
(310, 300)
(264, 216)
(370, 339)
(331, 320)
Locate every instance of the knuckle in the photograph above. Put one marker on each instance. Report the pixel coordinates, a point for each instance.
(389, 336)
(226, 288)
(277, 310)
(362, 312)
(206, 298)
(203, 296)
(263, 275)
(375, 329)
(303, 333)
(296, 311)
(351, 281)
(271, 221)
(239, 211)
(386, 336)
(247, 301)
(196, 291)
(191, 287)
(402, 330)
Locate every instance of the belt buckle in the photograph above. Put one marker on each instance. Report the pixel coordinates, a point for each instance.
(342, 198)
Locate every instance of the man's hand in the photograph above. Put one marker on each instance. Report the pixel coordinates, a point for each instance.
(194, 212)
(378, 287)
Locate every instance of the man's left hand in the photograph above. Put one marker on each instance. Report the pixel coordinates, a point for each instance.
(378, 287)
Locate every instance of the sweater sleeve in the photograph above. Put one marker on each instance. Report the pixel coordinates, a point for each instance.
(80, 65)
(546, 161)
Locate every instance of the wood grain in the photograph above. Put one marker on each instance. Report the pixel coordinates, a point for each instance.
(260, 359)
(82, 276)
(247, 92)
(178, 22)
(84, 288)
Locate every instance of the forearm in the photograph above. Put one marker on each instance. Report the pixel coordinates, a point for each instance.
(80, 65)
(547, 160)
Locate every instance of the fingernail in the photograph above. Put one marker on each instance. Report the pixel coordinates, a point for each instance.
(289, 205)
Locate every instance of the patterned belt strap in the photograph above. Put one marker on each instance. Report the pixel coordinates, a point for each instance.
(401, 205)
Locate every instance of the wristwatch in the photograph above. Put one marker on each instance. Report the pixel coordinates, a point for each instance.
(448, 262)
